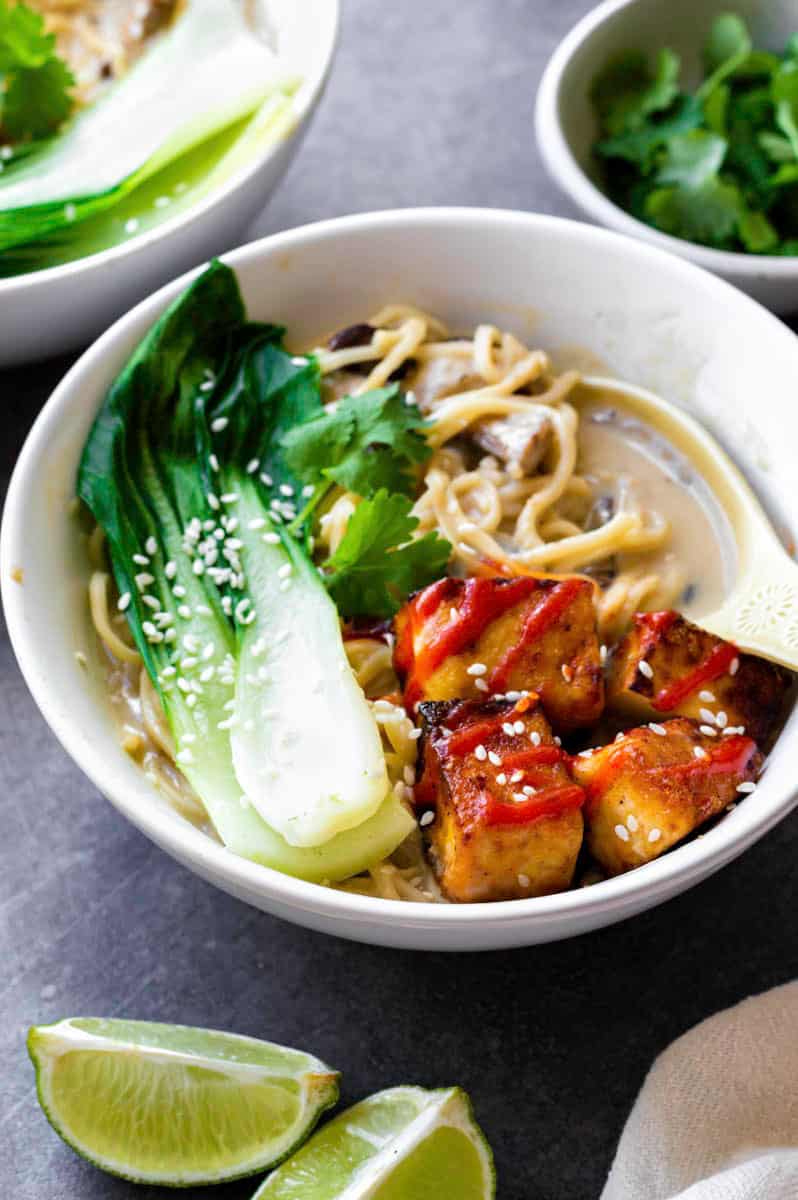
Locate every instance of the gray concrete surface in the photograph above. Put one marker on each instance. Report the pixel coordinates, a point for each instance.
(430, 102)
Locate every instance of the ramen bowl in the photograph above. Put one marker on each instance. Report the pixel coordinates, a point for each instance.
(583, 293)
(49, 311)
(566, 126)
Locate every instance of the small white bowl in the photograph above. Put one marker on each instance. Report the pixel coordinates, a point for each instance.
(48, 312)
(566, 127)
(649, 317)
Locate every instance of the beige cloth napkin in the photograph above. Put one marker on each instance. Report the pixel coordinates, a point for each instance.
(717, 1117)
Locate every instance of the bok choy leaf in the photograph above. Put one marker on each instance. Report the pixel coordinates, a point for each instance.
(230, 616)
(204, 74)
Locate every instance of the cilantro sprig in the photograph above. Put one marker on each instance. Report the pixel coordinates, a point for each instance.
(372, 445)
(717, 166)
(34, 80)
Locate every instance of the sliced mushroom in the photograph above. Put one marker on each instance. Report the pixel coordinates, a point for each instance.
(519, 440)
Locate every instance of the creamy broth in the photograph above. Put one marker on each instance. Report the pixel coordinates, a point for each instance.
(614, 444)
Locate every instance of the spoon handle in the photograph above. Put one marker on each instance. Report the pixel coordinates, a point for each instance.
(761, 614)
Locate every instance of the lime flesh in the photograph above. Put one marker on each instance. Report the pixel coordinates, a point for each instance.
(405, 1143)
(173, 1105)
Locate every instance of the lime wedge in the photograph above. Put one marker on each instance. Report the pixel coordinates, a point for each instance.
(402, 1144)
(173, 1105)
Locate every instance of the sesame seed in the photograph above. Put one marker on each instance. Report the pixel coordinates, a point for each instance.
(528, 790)
(481, 685)
(206, 674)
(284, 571)
(585, 754)
(699, 752)
(214, 461)
(184, 611)
(131, 226)
(219, 424)
(631, 823)
(256, 523)
(168, 672)
(426, 819)
(123, 602)
(519, 797)
(654, 835)
(721, 720)
(151, 602)
(602, 654)
(170, 570)
(494, 758)
(645, 669)
(198, 566)
(567, 673)
(518, 726)
(191, 700)
(534, 737)
(308, 490)
(480, 752)
(286, 489)
(143, 580)
(179, 591)
(501, 778)
(507, 728)
(659, 729)
(271, 539)
(169, 635)
(477, 668)
(745, 789)
(285, 585)
(707, 730)
(706, 716)
(151, 545)
(622, 832)
(266, 478)
(184, 757)
(141, 560)
(213, 501)
(707, 697)
(734, 666)
(452, 614)
(523, 880)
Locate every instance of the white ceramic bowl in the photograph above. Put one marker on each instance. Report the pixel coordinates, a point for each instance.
(566, 126)
(51, 311)
(649, 316)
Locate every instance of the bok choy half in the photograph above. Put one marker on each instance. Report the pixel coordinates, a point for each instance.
(184, 471)
(207, 74)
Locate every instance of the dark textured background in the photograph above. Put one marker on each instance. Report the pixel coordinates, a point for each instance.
(430, 102)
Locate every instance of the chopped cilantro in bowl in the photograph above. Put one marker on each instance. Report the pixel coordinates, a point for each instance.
(717, 165)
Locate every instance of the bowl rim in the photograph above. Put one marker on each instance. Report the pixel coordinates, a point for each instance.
(647, 884)
(302, 103)
(562, 165)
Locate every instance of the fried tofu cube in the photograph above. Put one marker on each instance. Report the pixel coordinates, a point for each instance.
(654, 785)
(497, 801)
(666, 667)
(462, 639)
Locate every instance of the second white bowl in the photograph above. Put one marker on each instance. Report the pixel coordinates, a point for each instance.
(566, 126)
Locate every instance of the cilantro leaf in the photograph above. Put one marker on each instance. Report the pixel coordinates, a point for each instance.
(756, 233)
(34, 81)
(691, 159)
(638, 145)
(784, 90)
(625, 93)
(367, 442)
(728, 47)
(706, 214)
(377, 565)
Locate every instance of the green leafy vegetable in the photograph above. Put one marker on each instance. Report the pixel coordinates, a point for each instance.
(377, 564)
(368, 442)
(168, 105)
(230, 616)
(713, 166)
(34, 81)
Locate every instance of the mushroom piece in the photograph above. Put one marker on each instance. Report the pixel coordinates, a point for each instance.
(519, 440)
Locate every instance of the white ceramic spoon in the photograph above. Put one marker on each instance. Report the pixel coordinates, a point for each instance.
(760, 613)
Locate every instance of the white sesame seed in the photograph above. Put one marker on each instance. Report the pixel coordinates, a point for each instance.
(141, 560)
(477, 668)
(184, 611)
(191, 700)
(631, 823)
(151, 602)
(308, 490)
(622, 832)
(707, 697)
(528, 790)
(151, 545)
(519, 797)
(131, 226)
(523, 880)
(426, 819)
(143, 580)
(219, 424)
(501, 778)
(746, 788)
(184, 757)
(602, 654)
(169, 635)
(567, 673)
(123, 602)
(170, 570)
(481, 685)
(252, 466)
(213, 501)
(654, 835)
(286, 489)
(721, 720)
(285, 585)
(256, 523)
(706, 716)
(708, 730)
(480, 752)
(645, 669)
(284, 571)
(699, 752)
(179, 591)
(534, 737)
(585, 754)
(213, 460)
(659, 729)
(507, 728)
(271, 539)
(734, 666)
(266, 478)
(518, 727)
(494, 758)
(198, 566)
